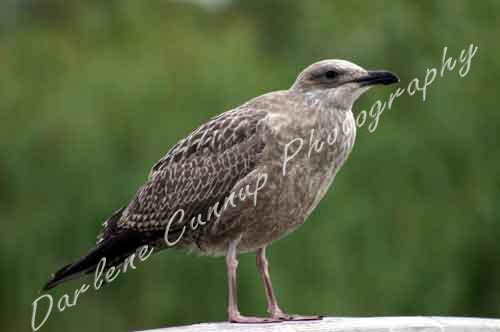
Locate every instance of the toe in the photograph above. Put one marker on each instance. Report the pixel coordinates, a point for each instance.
(299, 317)
(253, 320)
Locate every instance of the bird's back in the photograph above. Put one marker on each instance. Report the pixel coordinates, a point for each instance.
(196, 174)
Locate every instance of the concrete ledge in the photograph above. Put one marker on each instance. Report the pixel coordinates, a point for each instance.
(348, 324)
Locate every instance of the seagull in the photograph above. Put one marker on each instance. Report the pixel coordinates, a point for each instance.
(215, 166)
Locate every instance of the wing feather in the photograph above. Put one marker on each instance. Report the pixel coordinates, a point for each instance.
(197, 172)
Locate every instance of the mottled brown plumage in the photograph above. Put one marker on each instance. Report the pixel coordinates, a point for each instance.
(216, 165)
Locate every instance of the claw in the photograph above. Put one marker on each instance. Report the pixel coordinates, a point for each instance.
(253, 320)
(287, 317)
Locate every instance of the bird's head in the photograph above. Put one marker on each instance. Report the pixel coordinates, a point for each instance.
(339, 82)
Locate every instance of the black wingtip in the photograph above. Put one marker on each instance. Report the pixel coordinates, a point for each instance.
(60, 276)
(49, 285)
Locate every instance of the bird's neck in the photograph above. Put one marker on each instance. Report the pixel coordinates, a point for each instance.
(324, 101)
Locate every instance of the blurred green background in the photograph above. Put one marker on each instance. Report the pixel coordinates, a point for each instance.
(94, 92)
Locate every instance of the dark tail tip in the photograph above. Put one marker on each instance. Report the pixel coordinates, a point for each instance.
(50, 284)
(60, 276)
(115, 250)
(84, 264)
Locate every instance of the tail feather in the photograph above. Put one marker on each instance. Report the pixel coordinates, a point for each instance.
(114, 249)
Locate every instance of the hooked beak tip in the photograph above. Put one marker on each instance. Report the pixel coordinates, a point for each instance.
(377, 77)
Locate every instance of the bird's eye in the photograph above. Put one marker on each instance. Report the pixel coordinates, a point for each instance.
(330, 74)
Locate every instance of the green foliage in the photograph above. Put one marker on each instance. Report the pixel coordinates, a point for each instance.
(94, 92)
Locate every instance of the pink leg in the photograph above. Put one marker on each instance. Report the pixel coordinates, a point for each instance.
(272, 304)
(232, 308)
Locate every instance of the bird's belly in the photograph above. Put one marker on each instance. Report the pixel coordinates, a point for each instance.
(288, 202)
(285, 201)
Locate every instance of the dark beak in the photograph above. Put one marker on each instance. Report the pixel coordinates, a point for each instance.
(377, 77)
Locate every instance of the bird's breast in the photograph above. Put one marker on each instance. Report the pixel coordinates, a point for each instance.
(302, 164)
(328, 147)
(300, 161)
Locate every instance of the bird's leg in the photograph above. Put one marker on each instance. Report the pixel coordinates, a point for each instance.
(232, 307)
(272, 304)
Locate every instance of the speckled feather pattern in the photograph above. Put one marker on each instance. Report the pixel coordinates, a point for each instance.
(228, 153)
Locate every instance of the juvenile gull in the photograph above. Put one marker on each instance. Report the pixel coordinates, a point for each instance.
(222, 159)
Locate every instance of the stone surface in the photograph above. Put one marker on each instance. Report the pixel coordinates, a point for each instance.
(354, 324)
